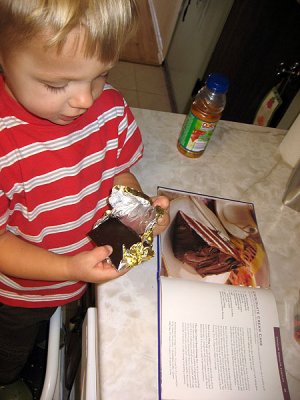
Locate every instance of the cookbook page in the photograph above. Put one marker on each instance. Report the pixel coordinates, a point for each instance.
(212, 239)
(219, 341)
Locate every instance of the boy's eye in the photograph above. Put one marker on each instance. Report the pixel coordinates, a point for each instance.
(55, 89)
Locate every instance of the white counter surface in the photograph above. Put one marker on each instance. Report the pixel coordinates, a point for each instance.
(241, 162)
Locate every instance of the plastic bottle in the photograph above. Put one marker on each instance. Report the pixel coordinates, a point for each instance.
(203, 117)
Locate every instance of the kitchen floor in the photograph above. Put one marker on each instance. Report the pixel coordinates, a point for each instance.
(143, 86)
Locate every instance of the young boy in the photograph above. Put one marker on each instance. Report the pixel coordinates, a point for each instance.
(66, 137)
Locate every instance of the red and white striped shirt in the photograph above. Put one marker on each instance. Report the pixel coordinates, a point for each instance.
(55, 181)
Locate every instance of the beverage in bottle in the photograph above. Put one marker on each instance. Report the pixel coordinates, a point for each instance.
(203, 117)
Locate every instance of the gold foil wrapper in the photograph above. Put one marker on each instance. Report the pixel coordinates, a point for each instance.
(139, 252)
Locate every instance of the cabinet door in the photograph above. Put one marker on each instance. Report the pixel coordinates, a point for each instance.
(142, 48)
(197, 31)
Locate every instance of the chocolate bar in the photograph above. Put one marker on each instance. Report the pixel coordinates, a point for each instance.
(112, 232)
(127, 227)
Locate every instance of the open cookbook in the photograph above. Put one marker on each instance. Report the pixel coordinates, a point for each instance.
(218, 324)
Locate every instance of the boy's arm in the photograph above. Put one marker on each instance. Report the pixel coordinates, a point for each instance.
(24, 260)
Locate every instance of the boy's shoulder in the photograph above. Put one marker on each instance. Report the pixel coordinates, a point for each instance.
(110, 99)
(111, 93)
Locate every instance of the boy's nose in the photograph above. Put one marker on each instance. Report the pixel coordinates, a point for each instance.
(83, 98)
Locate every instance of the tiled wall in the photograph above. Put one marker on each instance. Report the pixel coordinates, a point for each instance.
(143, 86)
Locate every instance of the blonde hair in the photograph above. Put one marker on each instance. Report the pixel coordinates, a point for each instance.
(106, 24)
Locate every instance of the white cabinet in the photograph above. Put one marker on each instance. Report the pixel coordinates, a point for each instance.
(198, 29)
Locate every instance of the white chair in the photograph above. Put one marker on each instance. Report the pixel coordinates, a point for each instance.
(52, 378)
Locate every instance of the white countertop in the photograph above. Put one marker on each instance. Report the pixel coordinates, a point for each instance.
(241, 162)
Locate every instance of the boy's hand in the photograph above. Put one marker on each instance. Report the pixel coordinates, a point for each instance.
(92, 266)
(164, 220)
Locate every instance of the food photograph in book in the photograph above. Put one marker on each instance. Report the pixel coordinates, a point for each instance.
(212, 239)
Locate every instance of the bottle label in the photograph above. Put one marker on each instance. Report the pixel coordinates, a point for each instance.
(196, 133)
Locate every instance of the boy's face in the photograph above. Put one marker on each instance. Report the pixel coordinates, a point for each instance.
(55, 87)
